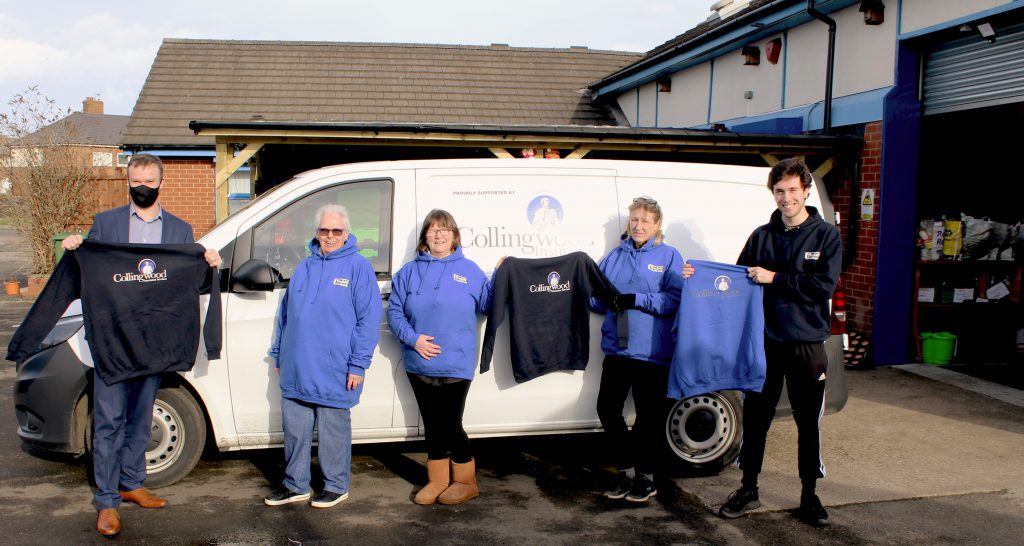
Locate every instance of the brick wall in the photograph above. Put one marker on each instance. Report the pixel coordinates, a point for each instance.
(188, 191)
(859, 277)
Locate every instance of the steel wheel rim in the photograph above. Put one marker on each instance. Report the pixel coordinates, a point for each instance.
(717, 418)
(166, 438)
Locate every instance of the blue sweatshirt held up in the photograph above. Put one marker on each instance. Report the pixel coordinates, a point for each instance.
(328, 326)
(641, 271)
(439, 297)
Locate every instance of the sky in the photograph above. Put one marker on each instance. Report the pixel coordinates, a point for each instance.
(75, 49)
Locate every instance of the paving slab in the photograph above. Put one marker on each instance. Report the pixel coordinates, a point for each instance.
(901, 436)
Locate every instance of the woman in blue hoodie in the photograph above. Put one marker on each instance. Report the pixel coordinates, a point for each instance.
(433, 311)
(327, 329)
(636, 337)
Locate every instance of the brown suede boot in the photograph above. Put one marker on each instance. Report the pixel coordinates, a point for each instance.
(438, 478)
(463, 486)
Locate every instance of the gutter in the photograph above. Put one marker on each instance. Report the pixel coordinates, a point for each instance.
(827, 123)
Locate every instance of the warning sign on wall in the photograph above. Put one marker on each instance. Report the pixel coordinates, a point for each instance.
(867, 205)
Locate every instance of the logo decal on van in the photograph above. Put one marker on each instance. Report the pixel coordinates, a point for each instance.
(554, 284)
(544, 212)
(656, 268)
(341, 282)
(459, 278)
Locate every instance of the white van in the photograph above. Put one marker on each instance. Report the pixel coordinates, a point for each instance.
(709, 212)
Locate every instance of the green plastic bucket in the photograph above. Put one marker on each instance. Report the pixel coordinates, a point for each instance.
(937, 347)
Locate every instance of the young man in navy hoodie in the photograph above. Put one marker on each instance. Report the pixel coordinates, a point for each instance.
(797, 258)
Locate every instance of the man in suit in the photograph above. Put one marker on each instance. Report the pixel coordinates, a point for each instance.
(122, 412)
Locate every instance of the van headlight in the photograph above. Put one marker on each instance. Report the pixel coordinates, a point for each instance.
(62, 331)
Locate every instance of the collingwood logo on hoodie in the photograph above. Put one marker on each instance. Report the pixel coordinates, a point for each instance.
(147, 273)
(722, 287)
(554, 284)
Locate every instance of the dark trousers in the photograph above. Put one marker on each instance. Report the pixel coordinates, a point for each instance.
(122, 417)
(803, 366)
(441, 406)
(643, 447)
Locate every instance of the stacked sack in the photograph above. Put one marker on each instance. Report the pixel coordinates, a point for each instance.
(985, 239)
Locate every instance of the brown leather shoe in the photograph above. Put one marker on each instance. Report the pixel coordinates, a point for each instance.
(108, 523)
(142, 497)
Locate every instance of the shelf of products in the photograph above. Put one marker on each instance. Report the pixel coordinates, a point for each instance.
(978, 301)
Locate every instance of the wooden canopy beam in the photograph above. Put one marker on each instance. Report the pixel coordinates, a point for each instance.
(227, 164)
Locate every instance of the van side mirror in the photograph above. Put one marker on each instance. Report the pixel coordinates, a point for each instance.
(255, 276)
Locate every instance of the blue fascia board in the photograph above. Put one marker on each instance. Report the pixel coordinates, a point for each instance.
(769, 25)
(966, 19)
(848, 110)
(771, 126)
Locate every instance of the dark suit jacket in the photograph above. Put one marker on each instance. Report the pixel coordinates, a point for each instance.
(112, 227)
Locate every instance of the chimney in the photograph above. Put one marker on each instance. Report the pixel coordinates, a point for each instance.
(92, 106)
(722, 9)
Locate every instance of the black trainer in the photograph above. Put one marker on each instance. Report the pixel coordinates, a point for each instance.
(327, 499)
(621, 488)
(812, 512)
(740, 502)
(284, 496)
(642, 489)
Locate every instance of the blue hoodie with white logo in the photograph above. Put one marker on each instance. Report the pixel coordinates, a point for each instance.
(328, 326)
(439, 297)
(641, 271)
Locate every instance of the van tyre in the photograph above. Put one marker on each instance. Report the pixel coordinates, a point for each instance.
(704, 432)
(178, 437)
(177, 440)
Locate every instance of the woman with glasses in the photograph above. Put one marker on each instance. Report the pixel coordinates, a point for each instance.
(327, 329)
(433, 311)
(636, 338)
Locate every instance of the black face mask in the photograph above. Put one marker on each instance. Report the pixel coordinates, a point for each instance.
(143, 196)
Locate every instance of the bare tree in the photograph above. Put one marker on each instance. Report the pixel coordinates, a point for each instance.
(44, 169)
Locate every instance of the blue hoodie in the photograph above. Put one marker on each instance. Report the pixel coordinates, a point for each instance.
(439, 297)
(327, 327)
(640, 271)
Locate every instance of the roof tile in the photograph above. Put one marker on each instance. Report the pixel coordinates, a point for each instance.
(229, 80)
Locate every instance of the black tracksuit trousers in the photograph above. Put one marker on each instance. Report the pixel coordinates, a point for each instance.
(803, 367)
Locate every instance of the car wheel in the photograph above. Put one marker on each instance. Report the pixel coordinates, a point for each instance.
(177, 438)
(704, 431)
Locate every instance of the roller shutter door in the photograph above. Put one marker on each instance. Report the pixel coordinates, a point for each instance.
(972, 73)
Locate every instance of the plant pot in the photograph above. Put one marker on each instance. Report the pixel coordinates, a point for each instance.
(36, 284)
(12, 288)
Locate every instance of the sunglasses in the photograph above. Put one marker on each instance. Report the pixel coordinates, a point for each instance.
(324, 232)
(643, 199)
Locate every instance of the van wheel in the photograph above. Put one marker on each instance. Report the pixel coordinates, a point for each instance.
(177, 438)
(704, 431)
